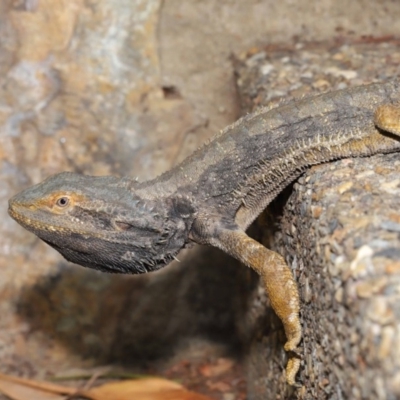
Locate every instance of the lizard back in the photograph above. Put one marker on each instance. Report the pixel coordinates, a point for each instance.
(246, 165)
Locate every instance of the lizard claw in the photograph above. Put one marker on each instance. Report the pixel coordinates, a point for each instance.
(298, 352)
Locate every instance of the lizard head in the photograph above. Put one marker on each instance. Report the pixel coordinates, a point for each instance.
(99, 222)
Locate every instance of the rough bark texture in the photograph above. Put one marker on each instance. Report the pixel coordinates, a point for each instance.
(339, 230)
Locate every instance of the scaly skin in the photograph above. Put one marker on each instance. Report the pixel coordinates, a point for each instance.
(120, 225)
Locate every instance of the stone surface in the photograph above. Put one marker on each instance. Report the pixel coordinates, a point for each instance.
(80, 91)
(339, 231)
(122, 87)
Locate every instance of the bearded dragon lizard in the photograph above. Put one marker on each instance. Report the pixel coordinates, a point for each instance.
(120, 225)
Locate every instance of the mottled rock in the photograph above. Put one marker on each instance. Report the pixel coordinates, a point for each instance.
(338, 229)
(105, 87)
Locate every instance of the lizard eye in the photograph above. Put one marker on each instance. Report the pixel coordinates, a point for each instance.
(62, 201)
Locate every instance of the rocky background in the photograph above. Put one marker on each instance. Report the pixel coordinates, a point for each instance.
(338, 227)
(123, 87)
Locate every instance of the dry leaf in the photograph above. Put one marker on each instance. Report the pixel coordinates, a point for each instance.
(222, 365)
(143, 389)
(18, 391)
(137, 389)
(220, 386)
(44, 386)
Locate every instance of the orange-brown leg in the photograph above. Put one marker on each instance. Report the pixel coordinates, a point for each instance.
(278, 282)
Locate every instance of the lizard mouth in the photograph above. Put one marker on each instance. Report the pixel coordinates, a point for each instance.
(18, 216)
(101, 250)
(48, 232)
(29, 223)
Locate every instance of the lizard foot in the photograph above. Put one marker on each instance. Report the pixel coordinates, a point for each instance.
(292, 368)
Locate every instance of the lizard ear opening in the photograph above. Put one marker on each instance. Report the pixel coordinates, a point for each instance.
(122, 226)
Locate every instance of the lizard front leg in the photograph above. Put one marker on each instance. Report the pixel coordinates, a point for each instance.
(278, 281)
(276, 276)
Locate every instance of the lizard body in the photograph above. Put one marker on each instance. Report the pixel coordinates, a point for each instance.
(120, 225)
